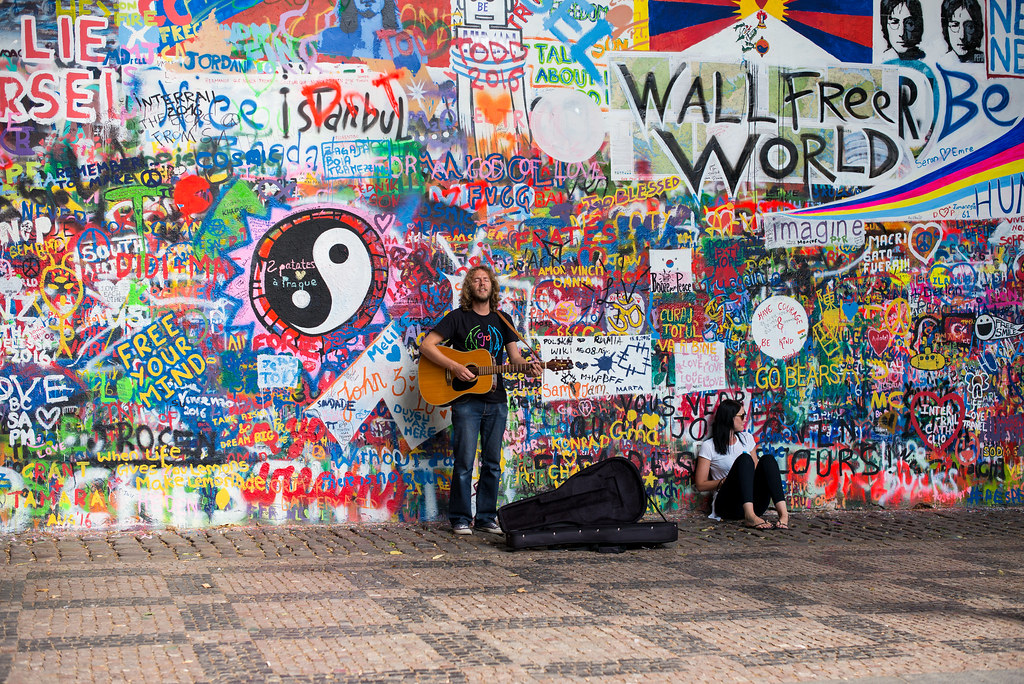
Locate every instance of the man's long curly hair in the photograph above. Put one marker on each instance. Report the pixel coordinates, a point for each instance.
(466, 297)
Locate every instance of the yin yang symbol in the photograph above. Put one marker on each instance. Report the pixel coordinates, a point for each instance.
(317, 271)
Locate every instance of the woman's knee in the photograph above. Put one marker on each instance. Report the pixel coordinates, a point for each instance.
(744, 462)
(769, 464)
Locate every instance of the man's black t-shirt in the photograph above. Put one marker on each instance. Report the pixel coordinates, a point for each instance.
(466, 330)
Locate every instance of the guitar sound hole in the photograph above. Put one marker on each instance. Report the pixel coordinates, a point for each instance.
(462, 385)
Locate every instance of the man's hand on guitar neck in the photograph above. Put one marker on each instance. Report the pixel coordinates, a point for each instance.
(516, 357)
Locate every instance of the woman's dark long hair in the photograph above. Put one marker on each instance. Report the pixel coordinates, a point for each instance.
(721, 426)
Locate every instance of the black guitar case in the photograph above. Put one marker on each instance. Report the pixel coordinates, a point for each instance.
(600, 505)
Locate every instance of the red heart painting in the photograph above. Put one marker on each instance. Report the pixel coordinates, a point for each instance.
(879, 340)
(934, 420)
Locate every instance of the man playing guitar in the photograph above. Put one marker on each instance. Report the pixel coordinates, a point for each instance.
(476, 324)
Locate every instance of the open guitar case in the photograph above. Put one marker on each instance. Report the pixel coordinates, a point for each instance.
(599, 506)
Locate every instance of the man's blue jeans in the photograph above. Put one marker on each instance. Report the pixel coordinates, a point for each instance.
(473, 420)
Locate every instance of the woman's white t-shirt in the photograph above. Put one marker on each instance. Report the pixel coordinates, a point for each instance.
(721, 464)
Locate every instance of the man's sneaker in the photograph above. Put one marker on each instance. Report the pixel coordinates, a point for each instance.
(461, 528)
(490, 528)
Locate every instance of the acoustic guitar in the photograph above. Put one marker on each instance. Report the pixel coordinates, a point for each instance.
(439, 387)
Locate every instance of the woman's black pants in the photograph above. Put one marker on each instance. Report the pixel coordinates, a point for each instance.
(745, 483)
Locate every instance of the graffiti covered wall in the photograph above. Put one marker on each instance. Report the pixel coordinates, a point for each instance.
(225, 227)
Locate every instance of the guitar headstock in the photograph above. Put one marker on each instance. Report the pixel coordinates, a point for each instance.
(558, 365)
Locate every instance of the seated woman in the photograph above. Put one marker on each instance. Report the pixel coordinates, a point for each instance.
(742, 483)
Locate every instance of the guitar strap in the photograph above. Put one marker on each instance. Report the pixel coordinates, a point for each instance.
(509, 324)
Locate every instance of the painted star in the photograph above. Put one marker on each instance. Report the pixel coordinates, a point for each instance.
(416, 92)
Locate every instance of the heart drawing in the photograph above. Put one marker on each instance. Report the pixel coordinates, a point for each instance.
(879, 340)
(923, 240)
(47, 416)
(937, 419)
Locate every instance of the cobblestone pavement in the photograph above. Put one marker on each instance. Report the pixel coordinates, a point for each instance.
(890, 596)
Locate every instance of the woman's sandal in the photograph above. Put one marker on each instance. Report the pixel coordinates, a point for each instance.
(763, 525)
(780, 526)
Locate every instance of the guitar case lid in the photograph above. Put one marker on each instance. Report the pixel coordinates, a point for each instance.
(605, 493)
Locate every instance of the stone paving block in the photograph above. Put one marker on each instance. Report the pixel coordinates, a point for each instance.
(282, 581)
(626, 667)
(543, 576)
(387, 537)
(113, 569)
(312, 611)
(219, 636)
(406, 609)
(930, 660)
(12, 591)
(679, 642)
(766, 636)
(70, 548)
(99, 549)
(210, 616)
(98, 621)
(975, 585)
(866, 592)
(340, 545)
(93, 588)
(434, 626)
(659, 600)
(963, 624)
(18, 554)
(596, 643)
(712, 600)
(349, 656)
(159, 552)
(491, 674)
(505, 603)
(595, 604)
(8, 626)
(175, 541)
(464, 649)
(189, 584)
(440, 580)
(874, 628)
(164, 663)
(223, 660)
(551, 621)
(313, 543)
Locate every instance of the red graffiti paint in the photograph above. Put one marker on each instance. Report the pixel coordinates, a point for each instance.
(192, 195)
(310, 92)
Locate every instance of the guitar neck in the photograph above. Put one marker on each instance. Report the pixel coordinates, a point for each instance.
(506, 368)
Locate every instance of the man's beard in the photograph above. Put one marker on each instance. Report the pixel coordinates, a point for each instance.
(367, 14)
(478, 298)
